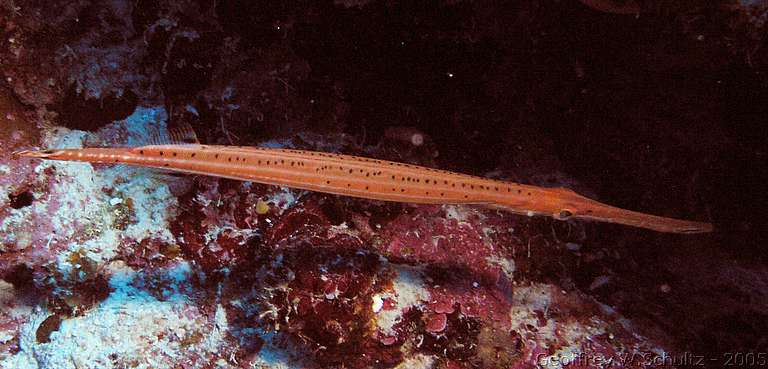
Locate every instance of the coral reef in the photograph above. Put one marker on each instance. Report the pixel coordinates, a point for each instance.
(120, 267)
(318, 279)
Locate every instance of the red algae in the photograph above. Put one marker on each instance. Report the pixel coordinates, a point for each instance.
(329, 306)
(323, 287)
(218, 223)
(481, 302)
(300, 224)
(436, 323)
(18, 190)
(428, 235)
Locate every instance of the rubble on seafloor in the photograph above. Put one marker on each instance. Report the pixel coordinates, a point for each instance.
(112, 267)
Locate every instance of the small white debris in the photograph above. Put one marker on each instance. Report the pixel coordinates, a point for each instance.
(332, 295)
(378, 303)
(475, 284)
(417, 139)
(530, 213)
(115, 200)
(665, 288)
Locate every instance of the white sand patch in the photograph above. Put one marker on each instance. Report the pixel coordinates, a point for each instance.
(408, 290)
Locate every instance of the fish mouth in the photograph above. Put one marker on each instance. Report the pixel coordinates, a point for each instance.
(40, 154)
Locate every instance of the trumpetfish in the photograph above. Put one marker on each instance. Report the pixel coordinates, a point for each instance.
(367, 178)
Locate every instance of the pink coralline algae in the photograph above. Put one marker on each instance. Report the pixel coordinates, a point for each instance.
(388, 285)
(465, 267)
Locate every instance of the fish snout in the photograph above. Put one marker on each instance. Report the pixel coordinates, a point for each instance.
(40, 154)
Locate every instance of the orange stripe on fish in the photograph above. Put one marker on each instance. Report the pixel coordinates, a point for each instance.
(368, 178)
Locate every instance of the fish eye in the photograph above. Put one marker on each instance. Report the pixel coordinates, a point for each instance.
(565, 214)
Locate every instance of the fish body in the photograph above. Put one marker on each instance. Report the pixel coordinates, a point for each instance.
(368, 178)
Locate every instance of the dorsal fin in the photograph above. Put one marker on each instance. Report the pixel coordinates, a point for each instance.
(183, 134)
(157, 136)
